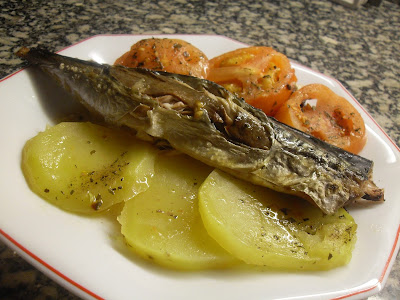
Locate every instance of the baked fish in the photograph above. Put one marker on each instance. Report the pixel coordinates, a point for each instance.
(210, 124)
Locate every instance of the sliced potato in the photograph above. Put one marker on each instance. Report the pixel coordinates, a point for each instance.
(266, 228)
(163, 224)
(84, 168)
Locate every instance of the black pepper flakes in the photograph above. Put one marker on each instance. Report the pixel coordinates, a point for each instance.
(98, 202)
(177, 46)
(284, 210)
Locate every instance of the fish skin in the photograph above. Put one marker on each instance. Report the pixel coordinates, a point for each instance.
(208, 123)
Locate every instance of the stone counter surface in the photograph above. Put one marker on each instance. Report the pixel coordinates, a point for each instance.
(359, 47)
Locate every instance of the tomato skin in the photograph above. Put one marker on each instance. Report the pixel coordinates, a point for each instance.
(332, 118)
(169, 55)
(262, 76)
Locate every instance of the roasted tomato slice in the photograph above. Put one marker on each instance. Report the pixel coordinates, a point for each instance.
(262, 76)
(169, 55)
(317, 110)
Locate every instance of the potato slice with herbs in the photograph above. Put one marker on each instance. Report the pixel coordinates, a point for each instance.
(266, 228)
(163, 224)
(83, 167)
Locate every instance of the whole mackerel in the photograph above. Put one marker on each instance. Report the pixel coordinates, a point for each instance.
(210, 124)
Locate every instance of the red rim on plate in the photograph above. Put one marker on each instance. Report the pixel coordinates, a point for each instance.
(63, 278)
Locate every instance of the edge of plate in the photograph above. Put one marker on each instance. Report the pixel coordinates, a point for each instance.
(80, 290)
(55, 274)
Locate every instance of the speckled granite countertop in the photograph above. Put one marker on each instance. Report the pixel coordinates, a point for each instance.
(361, 48)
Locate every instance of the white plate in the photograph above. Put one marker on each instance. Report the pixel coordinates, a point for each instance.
(86, 254)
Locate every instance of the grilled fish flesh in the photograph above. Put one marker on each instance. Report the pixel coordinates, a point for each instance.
(208, 123)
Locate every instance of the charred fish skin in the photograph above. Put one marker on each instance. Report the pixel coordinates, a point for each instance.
(205, 121)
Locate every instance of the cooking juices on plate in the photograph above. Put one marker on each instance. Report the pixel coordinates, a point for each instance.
(205, 121)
